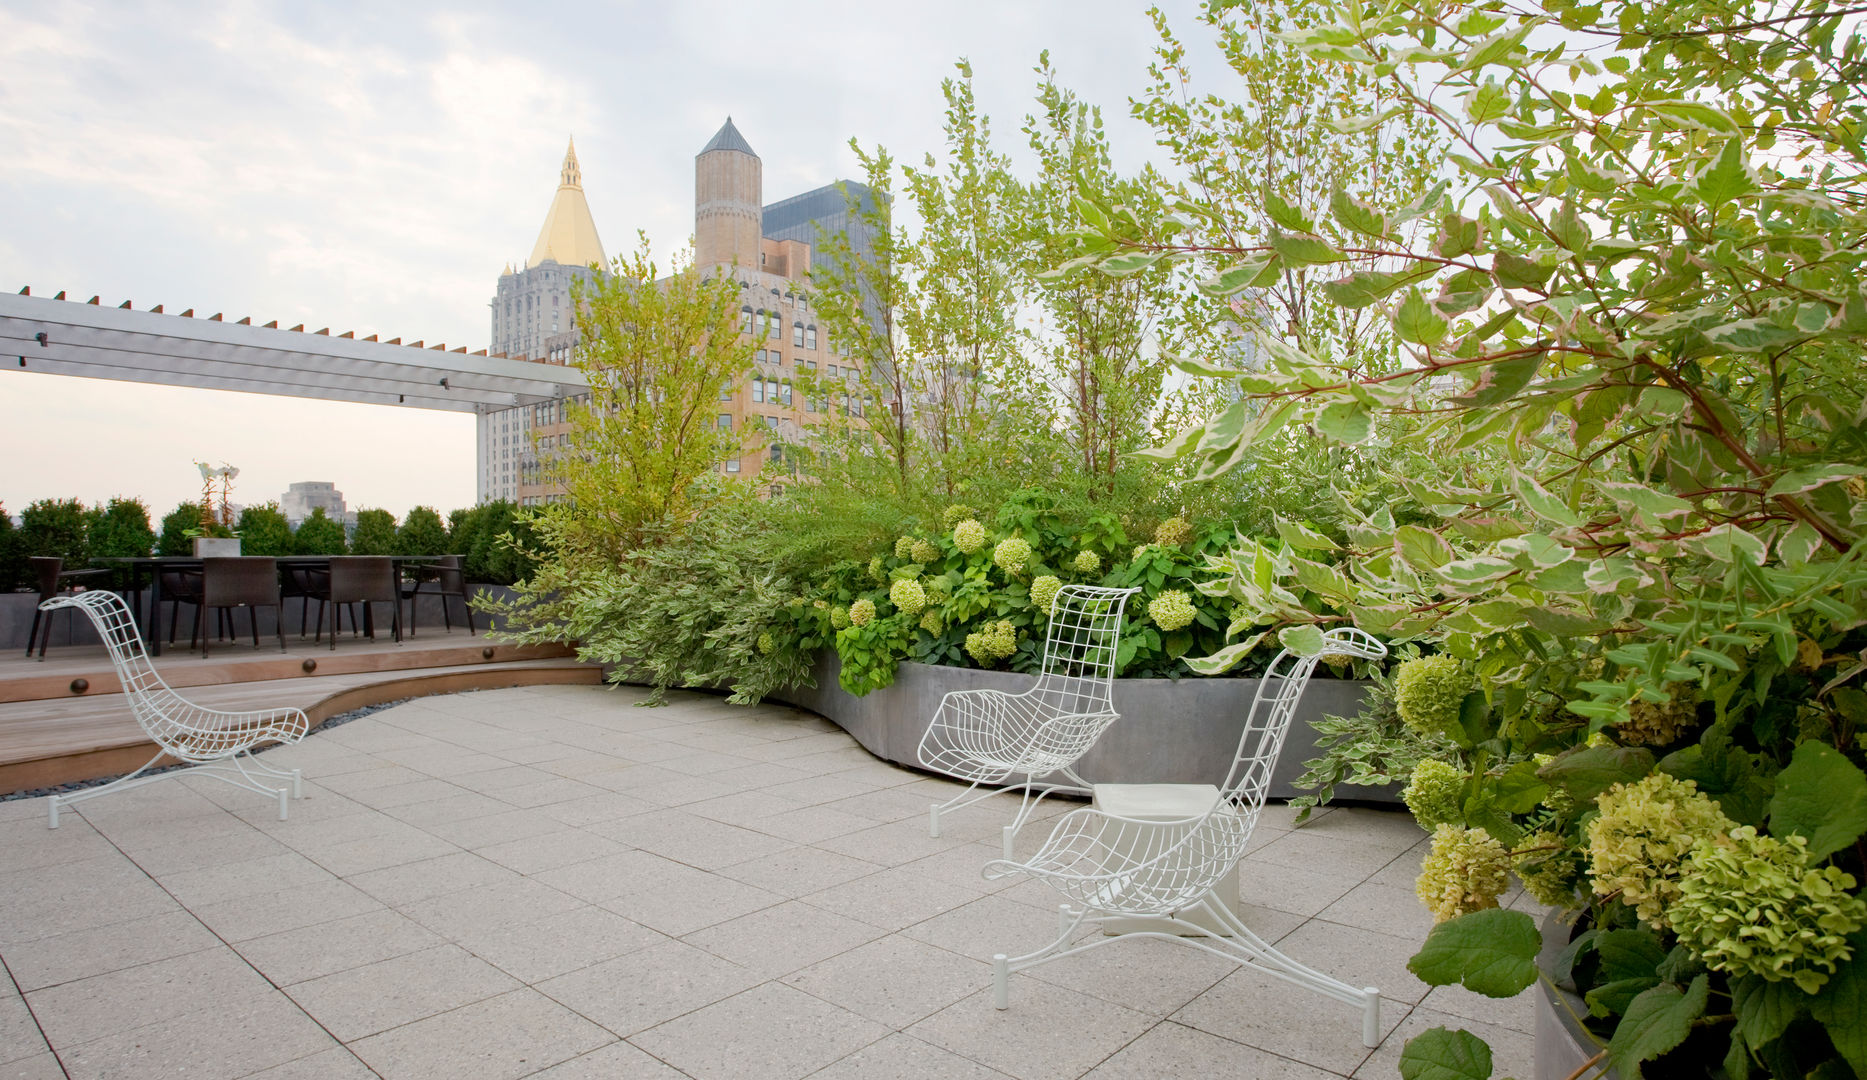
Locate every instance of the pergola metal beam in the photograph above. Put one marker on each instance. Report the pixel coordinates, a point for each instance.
(93, 341)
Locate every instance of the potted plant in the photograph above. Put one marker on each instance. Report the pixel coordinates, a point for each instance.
(216, 536)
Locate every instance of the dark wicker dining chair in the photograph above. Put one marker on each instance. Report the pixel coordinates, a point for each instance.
(49, 573)
(444, 577)
(358, 579)
(236, 581)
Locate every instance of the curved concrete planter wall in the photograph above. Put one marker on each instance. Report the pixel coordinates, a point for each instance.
(1171, 732)
(1562, 1046)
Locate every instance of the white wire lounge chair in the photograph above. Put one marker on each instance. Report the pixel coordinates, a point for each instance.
(990, 737)
(1115, 870)
(211, 740)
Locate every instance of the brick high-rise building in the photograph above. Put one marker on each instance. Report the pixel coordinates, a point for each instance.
(768, 249)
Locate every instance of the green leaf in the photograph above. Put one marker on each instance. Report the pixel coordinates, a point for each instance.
(1519, 790)
(1440, 1054)
(1364, 287)
(1842, 1003)
(1302, 249)
(1501, 381)
(1417, 322)
(1765, 1009)
(1422, 549)
(1587, 772)
(1808, 478)
(1629, 954)
(1488, 102)
(1303, 639)
(1694, 116)
(1655, 1022)
(1517, 272)
(1540, 502)
(1821, 795)
(1356, 215)
(1285, 215)
(1726, 178)
(1254, 271)
(1490, 952)
(1301, 536)
(1613, 998)
(1345, 421)
(1225, 659)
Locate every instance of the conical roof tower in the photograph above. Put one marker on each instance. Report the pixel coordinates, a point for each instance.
(569, 233)
(728, 220)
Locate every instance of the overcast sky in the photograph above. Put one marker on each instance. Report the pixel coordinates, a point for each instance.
(372, 167)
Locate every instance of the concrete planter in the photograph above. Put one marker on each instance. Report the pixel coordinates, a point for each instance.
(1562, 1045)
(1171, 732)
(215, 547)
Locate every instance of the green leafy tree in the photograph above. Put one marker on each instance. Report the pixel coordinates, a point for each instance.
(501, 544)
(657, 352)
(422, 533)
(459, 530)
(120, 529)
(178, 528)
(1642, 287)
(55, 527)
(264, 531)
(319, 534)
(374, 534)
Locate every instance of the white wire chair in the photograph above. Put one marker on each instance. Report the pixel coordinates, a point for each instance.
(989, 737)
(1117, 870)
(211, 740)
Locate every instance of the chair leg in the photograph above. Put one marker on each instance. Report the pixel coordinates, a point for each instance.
(252, 618)
(1001, 981)
(280, 611)
(33, 634)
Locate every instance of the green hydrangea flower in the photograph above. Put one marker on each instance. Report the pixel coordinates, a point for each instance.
(1435, 794)
(1638, 845)
(839, 618)
(925, 552)
(908, 596)
(766, 644)
(1011, 555)
(1751, 904)
(1466, 871)
(955, 514)
(1086, 563)
(1173, 532)
(875, 569)
(1139, 550)
(862, 612)
(1044, 592)
(1550, 869)
(992, 644)
(930, 622)
(969, 536)
(821, 605)
(1427, 693)
(936, 591)
(1171, 610)
(1648, 724)
(904, 547)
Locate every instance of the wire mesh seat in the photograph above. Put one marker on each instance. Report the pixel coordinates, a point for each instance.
(1114, 869)
(990, 737)
(218, 744)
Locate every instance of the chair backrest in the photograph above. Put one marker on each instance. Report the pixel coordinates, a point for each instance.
(239, 580)
(183, 585)
(363, 577)
(45, 571)
(1078, 673)
(1262, 740)
(151, 699)
(448, 573)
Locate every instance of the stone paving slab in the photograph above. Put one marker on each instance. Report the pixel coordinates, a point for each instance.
(550, 882)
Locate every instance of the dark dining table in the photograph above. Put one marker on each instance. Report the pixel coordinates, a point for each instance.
(153, 565)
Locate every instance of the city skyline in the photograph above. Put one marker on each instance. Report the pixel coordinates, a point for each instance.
(376, 170)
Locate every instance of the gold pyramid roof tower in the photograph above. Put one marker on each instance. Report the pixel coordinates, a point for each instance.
(569, 234)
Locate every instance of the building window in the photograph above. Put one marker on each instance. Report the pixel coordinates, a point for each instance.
(758, 357)
(758, 390)
(726, 421)
(772, 325)
(732, 465)
(797, 335)
(747, 312)
(771, 391)
(771, 422)
(787, 395)
(726, 393)
(810, 337)
(832, 371)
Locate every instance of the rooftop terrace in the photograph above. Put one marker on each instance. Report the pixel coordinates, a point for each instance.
(547, 882)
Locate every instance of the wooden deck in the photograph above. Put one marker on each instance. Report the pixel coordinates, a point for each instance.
(65, 719)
